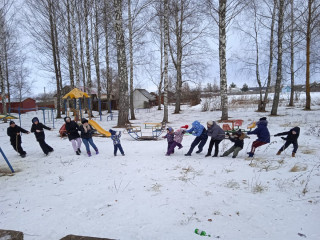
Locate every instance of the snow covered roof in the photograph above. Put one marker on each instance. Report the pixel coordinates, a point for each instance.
(146, 94)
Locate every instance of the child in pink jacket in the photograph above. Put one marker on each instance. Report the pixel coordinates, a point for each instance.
(178, 137)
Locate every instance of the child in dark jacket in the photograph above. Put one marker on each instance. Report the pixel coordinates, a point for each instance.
(263, 135)
(86, 135)
(292, 138)
(170, 138)
(217, 135)
(37, 129)
(116, 142)
(72, 129)
(14, 132)
(200, 132)
(238, 139)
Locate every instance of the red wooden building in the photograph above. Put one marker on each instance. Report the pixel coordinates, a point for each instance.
(25, 103)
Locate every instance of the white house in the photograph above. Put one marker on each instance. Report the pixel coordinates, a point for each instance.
(143, 99)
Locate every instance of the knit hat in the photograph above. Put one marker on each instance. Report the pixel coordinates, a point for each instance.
(112, 132)
(263, 119)
(170, 129)
(65, 119)
(35, 119)
(210, 123)
(11, 122)
(185, 126)
(83, 120)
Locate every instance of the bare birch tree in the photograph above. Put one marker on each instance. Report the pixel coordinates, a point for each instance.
(122, 64)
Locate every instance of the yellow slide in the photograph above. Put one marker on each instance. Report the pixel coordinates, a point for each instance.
(97, 127)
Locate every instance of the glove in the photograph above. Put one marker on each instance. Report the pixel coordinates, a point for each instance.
(276, 135)
(284, 138)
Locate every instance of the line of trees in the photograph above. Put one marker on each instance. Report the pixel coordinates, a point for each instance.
(106, 44)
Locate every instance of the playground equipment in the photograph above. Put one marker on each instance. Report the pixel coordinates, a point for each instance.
(76, 94)
(100, 130)
(252, 125)
(156, 129)
(7, 117)
(6, 159)
(235, 125)
(43, 109)
(63, 131)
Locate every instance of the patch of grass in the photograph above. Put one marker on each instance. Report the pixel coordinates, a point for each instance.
(232, 184)
(258, 188)
(299, 168)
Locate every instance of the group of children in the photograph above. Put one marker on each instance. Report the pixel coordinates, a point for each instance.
(174, 138)
(72, 131)
(217, 134)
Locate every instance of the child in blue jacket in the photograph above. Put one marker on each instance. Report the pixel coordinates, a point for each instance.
(262, 133)
(116, 142)
(200, 132)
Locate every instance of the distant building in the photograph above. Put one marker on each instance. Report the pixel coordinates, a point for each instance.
(286, 89)
(143, 99)
(28, 104)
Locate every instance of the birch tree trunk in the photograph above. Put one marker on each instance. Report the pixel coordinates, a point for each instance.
(69, 44)
(161, 62)
(270, 56)
(54, 55)
(81, 50)
(292, 54)
(275, 104)
(133, 117)
(106, 32)
(96, 51)
(122, 65)
(88, 67)
(166, 60)
(3, 89)
(308, 42)
(222, 59)
(75, 45)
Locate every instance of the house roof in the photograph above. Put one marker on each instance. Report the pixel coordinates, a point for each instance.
(13, 100)
(146, 94)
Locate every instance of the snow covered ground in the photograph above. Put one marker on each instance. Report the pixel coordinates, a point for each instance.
(146, 195)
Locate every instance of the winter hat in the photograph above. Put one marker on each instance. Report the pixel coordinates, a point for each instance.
(112, 132)
(170, 129)
(185, 126)
(35, 119)
(83, 120)
(12, 122)
(65, 119)
(210, 123)
(263, 119)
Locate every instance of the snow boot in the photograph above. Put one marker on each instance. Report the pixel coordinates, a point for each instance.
(207, 155)
(89, 154)
(122, 154)
(293, 154)
(187, 154)
(23, 155)
(79, 150)
(233, 156)
(198, 151)
(180, 147)
(250, 154)
(279, 152)
(97, 151)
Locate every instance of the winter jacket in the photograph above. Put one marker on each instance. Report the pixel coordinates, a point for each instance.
(261, 131)
(178, 135)
(216, 132)
(197, 129)
(290, 137)
(12, 133)
(72, 129)
(39, 135)
(170, 137)
(114, 137)
(238, 142)
(85, 134)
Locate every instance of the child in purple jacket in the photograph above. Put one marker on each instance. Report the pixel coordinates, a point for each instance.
(170, 138)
